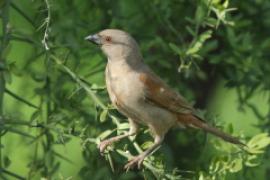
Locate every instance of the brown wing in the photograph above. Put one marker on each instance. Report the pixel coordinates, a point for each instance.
(157, 92)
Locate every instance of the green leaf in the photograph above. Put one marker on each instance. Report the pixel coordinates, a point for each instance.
(103, 115)
(197, 45)
(225, 4)
(211, 22)
(202, 176)
(249, 162)
(236, 165)
(123, 126)
(258, 143)
(111, 162)
(230, 128)
(200, 13)
(147, 144)
(105, 134)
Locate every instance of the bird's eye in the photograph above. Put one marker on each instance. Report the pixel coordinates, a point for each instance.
(108, 38)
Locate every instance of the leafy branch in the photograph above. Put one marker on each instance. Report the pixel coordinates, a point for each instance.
(201, 29)
(121, 127)
(234, 161)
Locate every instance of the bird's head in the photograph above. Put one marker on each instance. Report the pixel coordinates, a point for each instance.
(116, 44)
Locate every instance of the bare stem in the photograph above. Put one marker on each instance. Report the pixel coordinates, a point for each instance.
(47, 24)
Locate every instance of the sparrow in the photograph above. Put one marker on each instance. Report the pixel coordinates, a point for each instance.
(144, 98)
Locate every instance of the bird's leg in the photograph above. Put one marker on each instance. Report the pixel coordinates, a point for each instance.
(138, 160)
(133, 130)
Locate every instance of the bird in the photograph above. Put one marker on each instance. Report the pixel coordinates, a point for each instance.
(142, 96)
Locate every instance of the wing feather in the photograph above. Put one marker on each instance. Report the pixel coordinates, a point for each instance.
(157, 92)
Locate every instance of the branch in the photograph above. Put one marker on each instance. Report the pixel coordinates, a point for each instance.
(14, 6)
(78, 80)
(46, 23)
(11, 174)
(20, 98)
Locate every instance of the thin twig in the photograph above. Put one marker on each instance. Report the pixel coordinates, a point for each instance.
(12, 94)
(14, 6)
(80, 82)
(11, 174)
(47, 24)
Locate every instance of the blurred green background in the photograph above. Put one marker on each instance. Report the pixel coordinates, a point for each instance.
(54, 107)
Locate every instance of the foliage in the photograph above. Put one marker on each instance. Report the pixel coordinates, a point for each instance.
(234, 161)
(52, 86)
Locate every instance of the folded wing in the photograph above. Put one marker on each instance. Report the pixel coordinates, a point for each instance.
(157, 92)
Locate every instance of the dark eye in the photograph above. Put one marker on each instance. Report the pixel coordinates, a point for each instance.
(108, 38)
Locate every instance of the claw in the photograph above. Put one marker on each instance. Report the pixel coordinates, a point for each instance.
(137, 160)
(103, 145)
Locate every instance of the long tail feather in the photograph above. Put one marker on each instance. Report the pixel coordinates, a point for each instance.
(195, 121)
(219, 133)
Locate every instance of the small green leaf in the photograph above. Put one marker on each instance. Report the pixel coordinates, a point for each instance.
(196, 46)
(111, 162)
(200, 13)
(249, 162)
(225, 4)
(259, 142)
(105, 134)
(123, 126)
(202, 176)
(211, 22)
(147, 144)
(103, 115)
(236, 165)
(230, 128)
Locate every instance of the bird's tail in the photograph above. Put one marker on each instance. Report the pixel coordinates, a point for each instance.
(197, 122)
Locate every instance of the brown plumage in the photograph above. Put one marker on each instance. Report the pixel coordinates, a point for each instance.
(142, 96)
(163, 96)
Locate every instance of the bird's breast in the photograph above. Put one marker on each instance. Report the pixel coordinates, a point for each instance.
(123, 85)
(126, 92)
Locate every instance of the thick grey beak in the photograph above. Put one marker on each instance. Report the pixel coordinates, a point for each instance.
(94, 39)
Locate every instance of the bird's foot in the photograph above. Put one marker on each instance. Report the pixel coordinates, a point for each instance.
(103, 145)
(135, 161)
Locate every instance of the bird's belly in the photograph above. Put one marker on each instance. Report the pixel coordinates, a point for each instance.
(157, 118)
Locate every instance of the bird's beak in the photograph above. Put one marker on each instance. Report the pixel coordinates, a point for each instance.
(94, 39)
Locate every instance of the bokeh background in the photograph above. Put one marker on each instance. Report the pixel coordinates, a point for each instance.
(54, 108)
